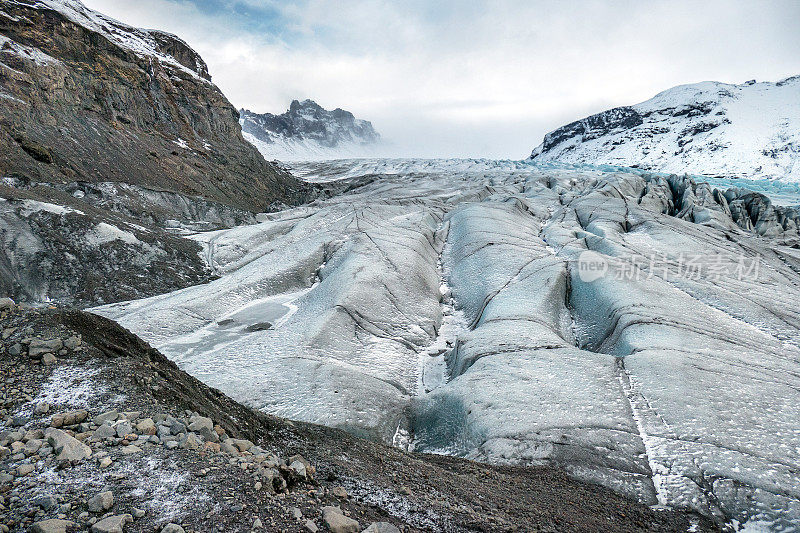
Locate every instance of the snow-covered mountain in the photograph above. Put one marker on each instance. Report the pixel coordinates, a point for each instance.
(308, 132)
(710, 128)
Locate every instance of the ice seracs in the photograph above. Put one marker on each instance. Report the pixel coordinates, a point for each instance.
(716, 129)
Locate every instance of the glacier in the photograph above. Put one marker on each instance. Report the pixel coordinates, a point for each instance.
(442, 306)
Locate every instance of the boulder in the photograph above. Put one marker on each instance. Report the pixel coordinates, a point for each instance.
(337, 522)
(112, 524)
(66, 447)
(38, 347)
(54, 525)
(102, 502)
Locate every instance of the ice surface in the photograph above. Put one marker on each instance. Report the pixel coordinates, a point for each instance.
(442, 307)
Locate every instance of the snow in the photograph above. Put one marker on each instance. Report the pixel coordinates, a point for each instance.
(104, 233)
(33, 206)
(182, 143)
(439, 307)
(68, 387)
(755, 133)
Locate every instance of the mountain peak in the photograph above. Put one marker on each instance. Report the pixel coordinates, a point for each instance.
(708, 128)
(308, 131)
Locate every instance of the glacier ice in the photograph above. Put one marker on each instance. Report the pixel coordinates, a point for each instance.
(440, 305)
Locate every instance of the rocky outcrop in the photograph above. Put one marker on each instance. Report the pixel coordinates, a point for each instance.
(706, 128)
(307, 131)
(85, 98)
(76, 253)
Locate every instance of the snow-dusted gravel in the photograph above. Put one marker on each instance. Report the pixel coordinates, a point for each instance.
(451, 306)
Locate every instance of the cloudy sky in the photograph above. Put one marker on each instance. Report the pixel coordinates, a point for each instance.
(472, 78)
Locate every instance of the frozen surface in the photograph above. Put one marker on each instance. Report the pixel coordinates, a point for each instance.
(444, 307)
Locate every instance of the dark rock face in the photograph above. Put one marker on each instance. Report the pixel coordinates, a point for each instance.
(307, 120)
(619, 118)
(78, 106)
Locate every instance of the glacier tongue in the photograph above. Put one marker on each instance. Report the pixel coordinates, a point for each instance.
(447, 306)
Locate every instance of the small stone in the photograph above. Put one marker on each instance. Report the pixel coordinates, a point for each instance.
(381, 527)
(201, 422)
(19, 421)
(258, 326)
(42, 408)
(105, 462)
(146, 427)
(32, 446)
(172, 528)
(54, 525)
(340, 492)
(68, 448)
(138, 513)
(191, 442)
(38, 347)
(177, 427)
(298, 469)
(257, 524)
(296, 513)
(123, 427)
(104, 432)
(258, 485)
(130, 449)
(15, 349)
(229, 448)
(108, 416)
(101, 503)
(311, 526)
(242, 444)
(171, 445)
(69, 418)
(49, 359)
(24, 470)
(72, 342)
(112, 524)
(337, 522)
(46, 502)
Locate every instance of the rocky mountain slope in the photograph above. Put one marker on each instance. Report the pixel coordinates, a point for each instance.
(113, 144)
(750, 130)
(308, 132)
(443, 307)
(99, 431)
(86, 98)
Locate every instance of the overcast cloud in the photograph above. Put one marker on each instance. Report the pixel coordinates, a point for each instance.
(478, 79)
